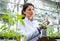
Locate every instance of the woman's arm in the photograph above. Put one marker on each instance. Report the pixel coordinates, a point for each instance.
(23, 31)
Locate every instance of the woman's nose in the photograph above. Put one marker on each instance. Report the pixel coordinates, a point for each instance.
(32, 11)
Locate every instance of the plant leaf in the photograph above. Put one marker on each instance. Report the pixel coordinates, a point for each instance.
(22, 22)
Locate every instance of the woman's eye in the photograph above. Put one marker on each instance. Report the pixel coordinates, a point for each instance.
(30, 9)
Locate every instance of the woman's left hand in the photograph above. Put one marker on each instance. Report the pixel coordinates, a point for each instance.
(46, 21)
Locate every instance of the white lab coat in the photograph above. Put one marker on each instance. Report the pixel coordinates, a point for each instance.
(29, 29)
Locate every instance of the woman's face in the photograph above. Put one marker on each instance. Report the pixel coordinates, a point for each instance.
(29, 11)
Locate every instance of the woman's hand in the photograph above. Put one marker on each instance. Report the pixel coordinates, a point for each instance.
(46, 21)
(43, 25)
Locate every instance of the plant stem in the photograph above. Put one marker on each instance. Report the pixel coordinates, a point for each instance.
(13, 38)
(18, 39)
(6, 39)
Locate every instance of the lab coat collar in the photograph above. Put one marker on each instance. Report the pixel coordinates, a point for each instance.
(27, 19)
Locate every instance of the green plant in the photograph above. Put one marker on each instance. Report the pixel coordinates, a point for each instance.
(44, 26)
(9, 20)
(50, 31)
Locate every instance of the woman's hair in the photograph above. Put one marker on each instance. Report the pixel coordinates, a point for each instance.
(25, 6)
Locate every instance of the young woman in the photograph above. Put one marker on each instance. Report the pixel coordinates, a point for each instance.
(30, 29)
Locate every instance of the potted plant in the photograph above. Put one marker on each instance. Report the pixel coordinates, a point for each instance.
(9, 20)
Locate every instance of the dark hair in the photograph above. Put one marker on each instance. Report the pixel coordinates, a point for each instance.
(25, 7)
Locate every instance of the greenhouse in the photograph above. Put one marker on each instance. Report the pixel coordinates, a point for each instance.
(29, 20)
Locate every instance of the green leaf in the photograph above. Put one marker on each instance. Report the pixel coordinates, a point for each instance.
(19, 16)
(6, 17)
(7, 34)
(17, 29)
(3, 27)
(1, 33)
(16, 19)
(22, 22)
(10, 21)
(12, 31)
(6, 11)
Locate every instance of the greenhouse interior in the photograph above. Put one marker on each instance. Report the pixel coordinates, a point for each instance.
(18, 23)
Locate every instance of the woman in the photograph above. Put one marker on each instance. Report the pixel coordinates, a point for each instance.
(30, 29)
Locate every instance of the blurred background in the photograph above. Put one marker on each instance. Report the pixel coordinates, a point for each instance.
(43, 8)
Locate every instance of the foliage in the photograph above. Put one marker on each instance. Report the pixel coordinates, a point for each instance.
(9, 20)
(50, 32)
(44, 26)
